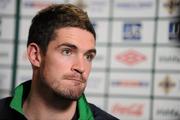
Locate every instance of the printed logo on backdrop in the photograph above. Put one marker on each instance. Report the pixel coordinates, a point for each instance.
(132, 31)
(134, 109)
(174, 59)
(167, 84)
(130, 57)
(134, 5)
(174, 30)
(172, 6)
(169, 112)
(4, 4)
(35, 4)
(129, 83)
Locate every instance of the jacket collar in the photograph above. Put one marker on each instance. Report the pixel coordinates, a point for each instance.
(20, 92)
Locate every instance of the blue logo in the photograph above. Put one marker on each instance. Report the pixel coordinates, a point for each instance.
(174, 30)
(134, 5)
(132, 31)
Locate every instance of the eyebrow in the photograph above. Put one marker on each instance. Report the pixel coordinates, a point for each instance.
(68, 45)
(75, 47)
(91, 51)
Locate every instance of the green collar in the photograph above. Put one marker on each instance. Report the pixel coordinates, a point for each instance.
(83, 107)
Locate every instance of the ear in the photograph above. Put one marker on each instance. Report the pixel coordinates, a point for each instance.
(34, 54)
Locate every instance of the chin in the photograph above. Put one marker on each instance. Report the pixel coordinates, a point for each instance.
(68, 97)
(69, 94)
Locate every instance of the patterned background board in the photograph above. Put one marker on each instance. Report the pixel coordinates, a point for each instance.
(136, 73)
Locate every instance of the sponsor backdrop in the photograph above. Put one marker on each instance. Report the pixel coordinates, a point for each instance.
(136, 74)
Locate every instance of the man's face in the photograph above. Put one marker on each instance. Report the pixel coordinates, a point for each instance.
(67, 63)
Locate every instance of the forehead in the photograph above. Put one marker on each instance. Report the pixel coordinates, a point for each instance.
(77, 36)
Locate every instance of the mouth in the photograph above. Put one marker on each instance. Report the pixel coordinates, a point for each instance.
(75, 80)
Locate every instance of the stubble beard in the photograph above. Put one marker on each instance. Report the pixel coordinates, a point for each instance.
(68, 93)
(57, 90)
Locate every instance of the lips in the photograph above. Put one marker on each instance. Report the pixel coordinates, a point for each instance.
(74, 78)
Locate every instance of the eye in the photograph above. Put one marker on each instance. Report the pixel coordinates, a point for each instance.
(90, 57)
(66, 51)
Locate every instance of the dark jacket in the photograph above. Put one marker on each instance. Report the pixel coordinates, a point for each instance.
(7, 112)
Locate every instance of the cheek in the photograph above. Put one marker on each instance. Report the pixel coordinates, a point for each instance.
(54, 66)
(88, 70)
(59, 62)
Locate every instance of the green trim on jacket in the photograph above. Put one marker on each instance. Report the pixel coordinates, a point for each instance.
(85, 112)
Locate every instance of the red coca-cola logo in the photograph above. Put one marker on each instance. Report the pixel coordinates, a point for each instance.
(132, 110)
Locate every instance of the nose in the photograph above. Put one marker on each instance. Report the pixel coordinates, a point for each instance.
(79, 65)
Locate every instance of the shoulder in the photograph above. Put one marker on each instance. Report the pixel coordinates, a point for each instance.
(4, 107)
(99, 114)
(6, 112)
(4, 103)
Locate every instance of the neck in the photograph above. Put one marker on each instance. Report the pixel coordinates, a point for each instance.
(36, 109)
(47, 106)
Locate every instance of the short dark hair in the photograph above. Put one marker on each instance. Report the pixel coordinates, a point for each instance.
(44, 24)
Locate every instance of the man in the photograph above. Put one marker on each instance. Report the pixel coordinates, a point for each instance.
(60, 47)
